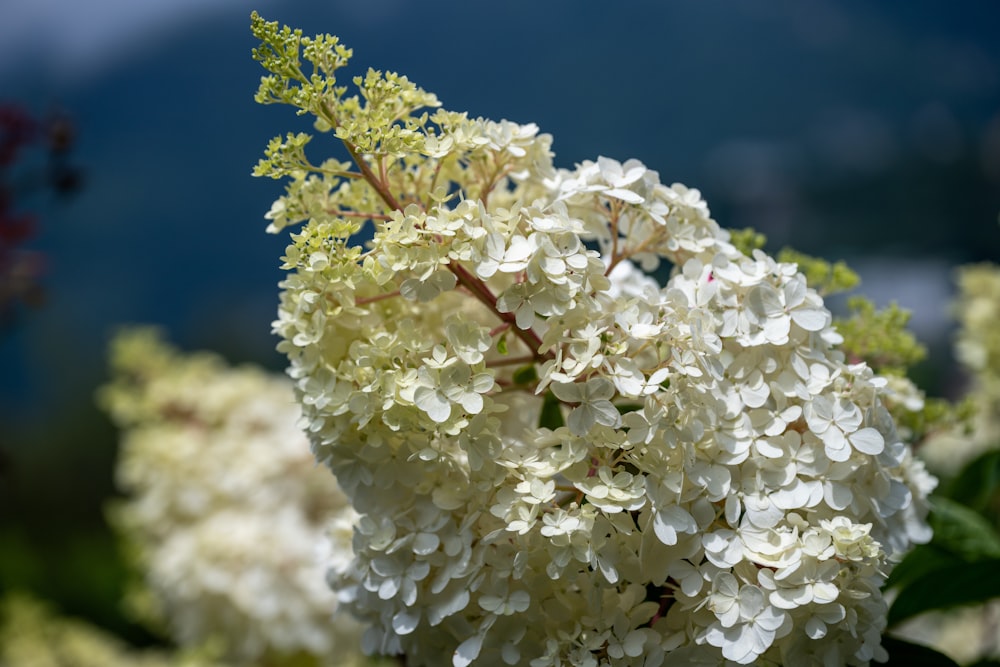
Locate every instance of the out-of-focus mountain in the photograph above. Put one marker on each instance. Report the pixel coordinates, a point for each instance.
(864, 130)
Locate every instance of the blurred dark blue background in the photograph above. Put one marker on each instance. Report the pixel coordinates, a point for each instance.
(862, 130)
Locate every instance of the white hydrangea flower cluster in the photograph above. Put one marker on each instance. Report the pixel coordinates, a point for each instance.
(977, 349)
(556, 460)
(232, 522)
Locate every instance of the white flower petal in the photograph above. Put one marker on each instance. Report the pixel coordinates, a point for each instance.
(467, 651)
(868, 441)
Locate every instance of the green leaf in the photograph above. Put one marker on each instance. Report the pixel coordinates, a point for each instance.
(966, 584)
(525, 375)
(920, 561)
(551, 416)
(906, 654)
(978, 484)
(959, 566)
(963, 531)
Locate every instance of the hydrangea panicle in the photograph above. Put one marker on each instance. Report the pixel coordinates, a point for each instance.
(557, 460)
(231, 522)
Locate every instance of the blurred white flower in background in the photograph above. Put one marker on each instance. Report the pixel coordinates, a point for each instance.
(232, 524)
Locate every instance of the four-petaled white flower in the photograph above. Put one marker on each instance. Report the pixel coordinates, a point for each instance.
(746, 625)
(592, 399)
